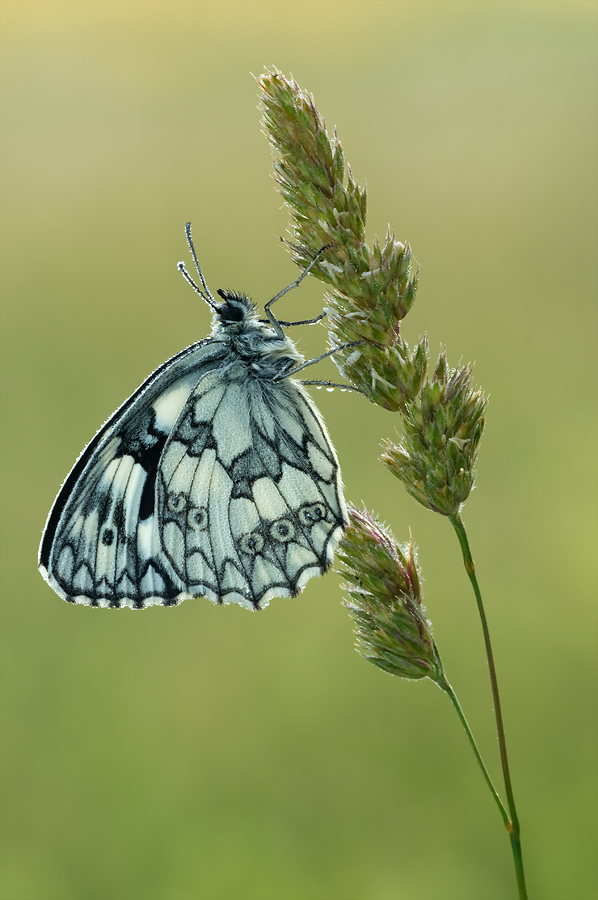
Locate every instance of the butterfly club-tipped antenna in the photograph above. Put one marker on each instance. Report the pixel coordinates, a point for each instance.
(182, 269)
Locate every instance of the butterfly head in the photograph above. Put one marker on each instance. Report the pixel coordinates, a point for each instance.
(234, 309)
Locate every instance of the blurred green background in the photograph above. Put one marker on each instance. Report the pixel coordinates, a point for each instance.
(200, 753)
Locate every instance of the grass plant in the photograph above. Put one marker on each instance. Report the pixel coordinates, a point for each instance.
(370, 291)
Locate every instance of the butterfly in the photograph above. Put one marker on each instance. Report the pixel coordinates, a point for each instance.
(216, 478)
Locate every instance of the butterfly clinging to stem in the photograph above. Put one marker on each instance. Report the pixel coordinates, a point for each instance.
(216, 478)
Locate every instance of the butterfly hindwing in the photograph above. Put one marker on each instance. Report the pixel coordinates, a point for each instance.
(248, 492)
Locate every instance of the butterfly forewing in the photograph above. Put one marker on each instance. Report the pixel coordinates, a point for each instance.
(100, 537)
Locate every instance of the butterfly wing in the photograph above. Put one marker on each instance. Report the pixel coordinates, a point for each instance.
(100, 545)
(199, 485)
(249, 494)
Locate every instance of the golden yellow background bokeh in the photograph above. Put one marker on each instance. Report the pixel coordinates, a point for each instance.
(205, 753)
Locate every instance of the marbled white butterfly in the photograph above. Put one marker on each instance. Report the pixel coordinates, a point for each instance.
(216, 478)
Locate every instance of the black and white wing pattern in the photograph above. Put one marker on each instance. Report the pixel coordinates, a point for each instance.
(94, 549)
(217, 479)
(249, 495)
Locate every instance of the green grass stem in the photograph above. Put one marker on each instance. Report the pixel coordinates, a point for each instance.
(512, 823)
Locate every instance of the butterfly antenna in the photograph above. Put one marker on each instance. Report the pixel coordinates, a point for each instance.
(181, 267)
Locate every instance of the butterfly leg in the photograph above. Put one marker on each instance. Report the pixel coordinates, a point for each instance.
(271, 317)
(302, 322)
(311, 362)
(333, 384)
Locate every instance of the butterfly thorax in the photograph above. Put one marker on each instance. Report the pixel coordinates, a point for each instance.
(253, 346)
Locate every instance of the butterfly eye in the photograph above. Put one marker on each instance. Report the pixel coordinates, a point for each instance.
(251, 543)
(198, 518)
(312, 514)
(282, 531)
(176, 503)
